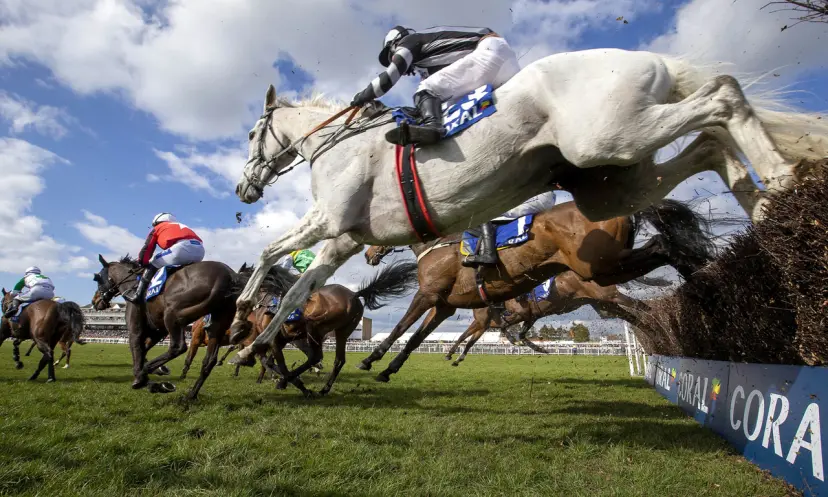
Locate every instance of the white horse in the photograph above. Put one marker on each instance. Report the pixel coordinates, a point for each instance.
(588, 122)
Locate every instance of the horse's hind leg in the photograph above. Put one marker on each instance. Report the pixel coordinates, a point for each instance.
(224, 357)
(472, 340)
(339, 361)
(462, 337)
(476, 328)
(45, 361)
(178, 344)
(34, 344)
(191, 353)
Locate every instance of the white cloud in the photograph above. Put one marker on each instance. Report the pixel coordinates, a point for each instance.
(24, 241)
(201, 66)
(746, 35)
(23, 115)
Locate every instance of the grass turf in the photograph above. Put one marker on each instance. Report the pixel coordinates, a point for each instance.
(555, 425)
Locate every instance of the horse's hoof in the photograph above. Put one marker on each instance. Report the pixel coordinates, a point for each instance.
(365, 366)
(455, 364)
(239, 331)
(183, 376)
(66, 366)
(324, 392)
(383, 377)
(281, 385)
(140, 383)
(309, 394)
(220, 363)
(161, 387)
(447, 357)
(50, 380)
(19, 365)
(161, 371)
(55, 363)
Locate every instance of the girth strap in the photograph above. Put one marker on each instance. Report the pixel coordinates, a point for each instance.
(412, 194)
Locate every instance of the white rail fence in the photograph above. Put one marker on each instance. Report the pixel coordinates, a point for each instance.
(590, 349)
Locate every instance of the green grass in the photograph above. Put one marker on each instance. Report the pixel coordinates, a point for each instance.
(496, 425)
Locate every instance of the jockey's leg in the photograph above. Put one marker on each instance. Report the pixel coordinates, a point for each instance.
(486, 254)
(334, 253)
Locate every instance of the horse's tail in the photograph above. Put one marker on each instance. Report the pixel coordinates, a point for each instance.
(396, 280)
(687, 234)
(71, 314)
(799, 135)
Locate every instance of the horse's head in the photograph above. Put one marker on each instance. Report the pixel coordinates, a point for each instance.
(7, 300)
(375, 253)
(269, 151)
(114, 279)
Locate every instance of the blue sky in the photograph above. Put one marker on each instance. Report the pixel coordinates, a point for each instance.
(114, 110)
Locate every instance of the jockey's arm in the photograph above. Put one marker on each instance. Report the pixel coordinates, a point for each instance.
(19, 286)
(401, 62)
(145, 255)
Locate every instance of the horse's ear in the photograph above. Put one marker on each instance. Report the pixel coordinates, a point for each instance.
(103, 261)
(244, 266)
(270, 98)
(4, 291)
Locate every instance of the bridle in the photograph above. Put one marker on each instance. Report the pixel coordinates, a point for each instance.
(115, 288)
(257, 182)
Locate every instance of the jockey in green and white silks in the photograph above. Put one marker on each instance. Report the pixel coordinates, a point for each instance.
(33, 286)
(451, 64)
(487, 253)
(297, 262)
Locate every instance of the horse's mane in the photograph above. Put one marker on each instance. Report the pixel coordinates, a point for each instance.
(277, 278)
(127, 259)
(315, 99)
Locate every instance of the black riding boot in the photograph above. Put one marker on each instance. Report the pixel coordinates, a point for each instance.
(136, 296)
(430, 130)
(486, 254)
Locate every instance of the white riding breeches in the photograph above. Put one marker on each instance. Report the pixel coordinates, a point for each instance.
(35, 293)
(492, 62)
(534, 205)
(180, 254)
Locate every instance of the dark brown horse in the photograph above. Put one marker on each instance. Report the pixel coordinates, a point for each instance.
(206, 287)
(561, 239)
(568, 292)
(45, 322)
(338, 310)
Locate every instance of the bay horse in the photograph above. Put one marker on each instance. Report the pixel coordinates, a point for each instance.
(590, 121)
(336, 309)
(192, 291)
(561, 239)
(45, 322)
(568, 292)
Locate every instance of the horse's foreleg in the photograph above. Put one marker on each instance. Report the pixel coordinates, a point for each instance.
(195, 343)
(281, 366)
(419, 305)
(476, 326)
(334, 253)
(29, 352)
(215, 332)
(472, 340)
(460, 340)
(178, 344)
(439, 314)
(311, 229)
(224, 357)
(16, 353)
(339, 362)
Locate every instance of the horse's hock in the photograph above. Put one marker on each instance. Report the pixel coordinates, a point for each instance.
(765, 298)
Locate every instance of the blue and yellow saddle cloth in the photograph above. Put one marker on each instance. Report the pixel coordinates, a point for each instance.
(461, 115)
(507, 235)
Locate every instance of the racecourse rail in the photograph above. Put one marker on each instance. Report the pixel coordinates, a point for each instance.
(590, 349)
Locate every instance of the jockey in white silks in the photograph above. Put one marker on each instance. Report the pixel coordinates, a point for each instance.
(487, 252)
(32, 287)
(451, 65)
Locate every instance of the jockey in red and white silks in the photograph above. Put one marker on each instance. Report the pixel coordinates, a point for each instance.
(180, 246)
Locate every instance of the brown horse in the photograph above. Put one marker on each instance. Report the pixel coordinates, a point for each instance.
(561, 239)
(567, 293)
(45, 322)
(206, 287)
(338, 310)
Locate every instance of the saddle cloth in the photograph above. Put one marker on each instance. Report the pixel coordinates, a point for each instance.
(16, 317)
(459, 116)
(157, 282)
(293, 317)
(542, 291)
(507, 235)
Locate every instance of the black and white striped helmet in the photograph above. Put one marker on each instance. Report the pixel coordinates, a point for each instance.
(396, 34)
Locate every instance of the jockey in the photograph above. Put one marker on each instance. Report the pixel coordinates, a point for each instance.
(297, 262)
(451, 65)
(31, 288)
(180, 246)
(487, 252)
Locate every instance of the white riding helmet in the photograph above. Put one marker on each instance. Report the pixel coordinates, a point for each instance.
(164, 217)
(33, 270)
(397, 33)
